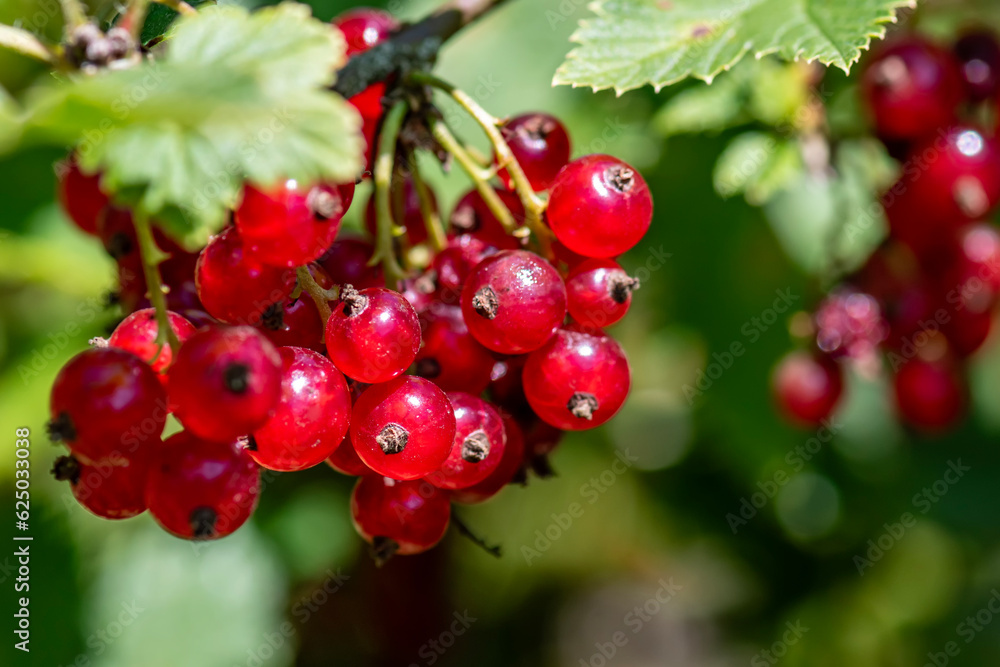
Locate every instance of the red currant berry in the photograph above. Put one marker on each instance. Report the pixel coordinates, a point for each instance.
(346, 262)
(577, 380)
(117, 233)
(294, 323)
(929, 395)
(200, 489)
(397, 517)
(807, 388)
(911, 87)
(455, 262)
(975, 268)
(373, 335)
(961, 182)
(599, 206)
(978, 54)
(364, 27)
(346, 461)
(478, 447)
(514, 301)
(540, 144)
(506, 386)
(850, 323)
(236, 288)
(474, 218)
(106, 402)
(450, 357)
(505, 472)
(967, 330)
(599, 292)
(540, 440)
(225, 382)
(404, 428)
(312, 416)
(137, 334)
(80, 195)
(111, 491)
(405, 205)
(369, 105)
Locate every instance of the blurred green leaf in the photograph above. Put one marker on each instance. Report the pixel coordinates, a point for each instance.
(756, 165)
(704, 108)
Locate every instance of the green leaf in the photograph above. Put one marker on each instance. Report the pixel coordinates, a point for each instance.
(237, 97)
(757, 165)
(632, 43)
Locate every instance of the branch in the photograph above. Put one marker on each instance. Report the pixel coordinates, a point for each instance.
(26, 44)
(74, 14)
(384, 161)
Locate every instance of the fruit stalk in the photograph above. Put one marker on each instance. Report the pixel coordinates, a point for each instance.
(432, 220)
(384, 162)
(152, 256)
(320, 296)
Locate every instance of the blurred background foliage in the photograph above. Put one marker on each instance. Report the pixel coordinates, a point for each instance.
(744, 210)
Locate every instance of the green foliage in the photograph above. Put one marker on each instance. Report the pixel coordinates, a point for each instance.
(632, 43)
(235, 97)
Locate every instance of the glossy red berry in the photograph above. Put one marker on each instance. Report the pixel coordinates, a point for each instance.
(234, 287)
(346, 262)
(373, 335)
(80, 195)
(453, 264)
(540, 144)
(346, 461)
(289, 224)
(137, 334)
(397, 517)
(478, 446)
(450, 357)
(807, 388)
(225, 382)
(967, 330)
(113, 489)
(311, 418)
(850, 323)
(599, 206)
(471, 216)
(577, 380)
(404, 428)
(107, 402)
(404, 203)
(364, 27)
(599, 292)
(116, 230)
(504, 473)
(911, 88)
(514, 301)
(929, 395)
(294, 323)
(200, 489)
(978, 54)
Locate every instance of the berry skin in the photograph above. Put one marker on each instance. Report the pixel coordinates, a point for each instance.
(473, 217)
(911, 88)
(599, 292)
(225, 382)
(373, 335)
(978, 54)
(234, 287)
(200, 489)
(346, 262)
(311, 418)
(397, 517)
(404, 202)
(346, 461)
(404, 428)
(450, 357)
(578, 380)
(294, 323)
(478, 447)
(504, 473)
(514, 301)
(364, 27)
(455, 262)
(107, 402)
(599, 206)
(289, 224)
(929, 395)
(80, 196)
(807, 388)
(137, 334)
(540, 144)
(850, 323)
(111, 490)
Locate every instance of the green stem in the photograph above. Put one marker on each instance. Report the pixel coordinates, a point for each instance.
(74, 14)
(152, 256)
(432, 219)
(26, 44)
(321, 297)
(179, 6)
(384, 161)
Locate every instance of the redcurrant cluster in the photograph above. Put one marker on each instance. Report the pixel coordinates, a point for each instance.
(927, 296)
(288, 348)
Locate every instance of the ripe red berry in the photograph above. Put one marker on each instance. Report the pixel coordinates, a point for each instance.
(450, 357)
(978, 54)
(200, 489)
(311, 418)
(540, 145)
(80, 195)
(346, 262)
(397, 517)
(850, 323)
(473, 217)
(373, 335)
(137, 334)
(225, 382)
(117, 233)
(967, 330)
(405, 206)
(294, 323)
(364, 27)
(346, 461)
(107, 402)
(289, 224)
(455, 262)
(112, 489)
(911, 87)
(599, 292)
(478, 446)
(514, 301)
(599, 206)
(404, 428)
(234, 287)
(577, 380)
(807, 387)
(504, 473)
(929, 395)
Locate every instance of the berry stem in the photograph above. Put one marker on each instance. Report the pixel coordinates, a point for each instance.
(466, 532)
(432, 220)
(152, 256)
(384, 162)
(320, 296)
(179, 6)
(74, 14)
(135, 17)
(26, 44)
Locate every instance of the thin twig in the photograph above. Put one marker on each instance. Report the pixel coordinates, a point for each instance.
(179, 6)
(152, 256)
(384, 161)
(465, 531)
(321, 297)
(432, 219)
(74, 14)
(25, 43)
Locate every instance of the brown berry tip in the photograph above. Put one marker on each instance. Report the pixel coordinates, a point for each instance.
(582, 405)
(61, 428)
(392, 439)
(66, 468)
(382, 549)
(485, 302)
(203, 523)
(620, 177)
(323, 204)
(621, 287)
(236, 378)
(476, 447)
(354, 301)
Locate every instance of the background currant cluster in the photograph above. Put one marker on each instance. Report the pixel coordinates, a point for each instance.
(269, 375)
(927, 296)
